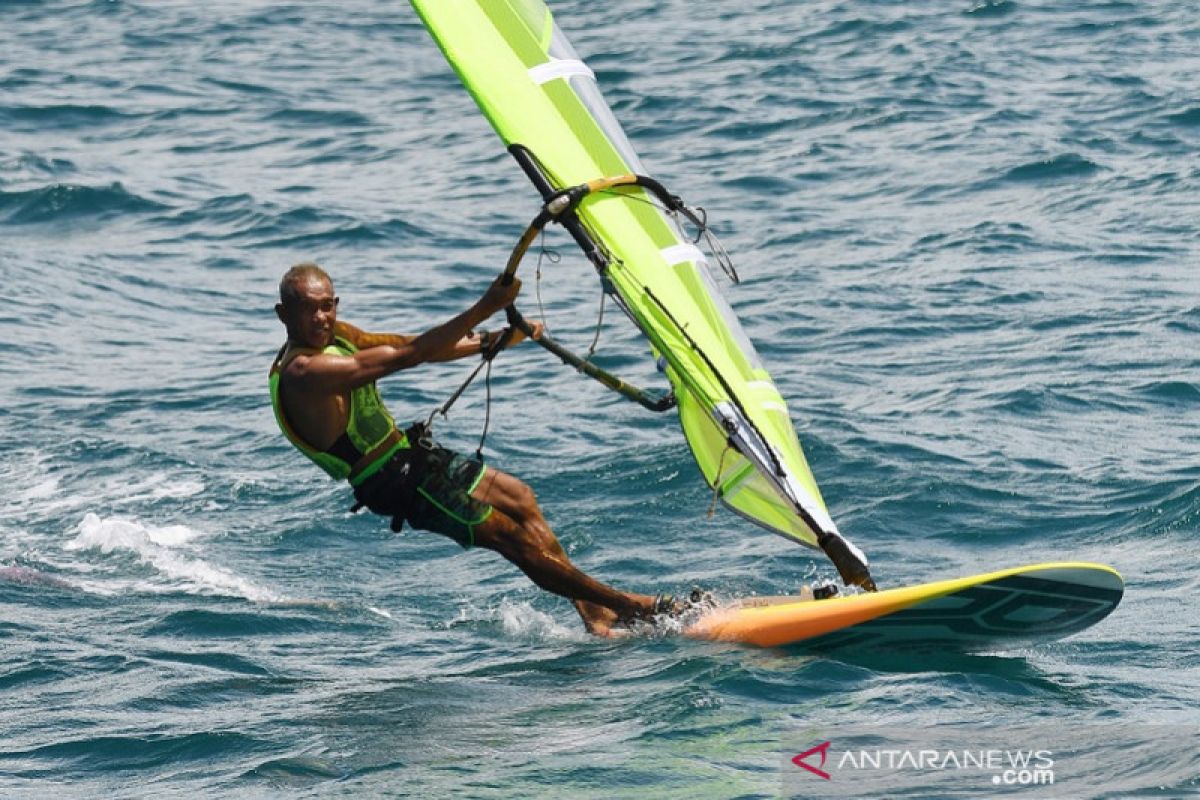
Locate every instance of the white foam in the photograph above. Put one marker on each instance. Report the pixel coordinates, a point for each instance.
(177, 489)
(45, 488)
(154, 486)
(112, 534)
(521, 620)
(26, 480)
(164, 550)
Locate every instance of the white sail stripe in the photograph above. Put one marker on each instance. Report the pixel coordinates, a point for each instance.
(560, 68)
(812, 506)
(767, 385)
(770, 406)
(681, 253)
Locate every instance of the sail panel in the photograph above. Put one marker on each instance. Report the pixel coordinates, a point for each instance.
(536, 91)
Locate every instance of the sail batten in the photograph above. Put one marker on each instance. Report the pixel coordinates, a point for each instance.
(560, 68)
(539, 94)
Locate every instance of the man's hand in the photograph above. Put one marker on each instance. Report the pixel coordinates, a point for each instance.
(491, 343)
(499, 295)
(518, 335)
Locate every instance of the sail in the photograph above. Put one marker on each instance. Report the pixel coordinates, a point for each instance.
(537, 93)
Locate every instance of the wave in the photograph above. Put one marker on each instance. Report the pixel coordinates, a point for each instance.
(992, 9)
(65, 116)
(33, 164)
(320, 118)
(240, 218)
(1186, 119)
(1171, 392)
(65, 201)
(140, 752)
(294, 771)
(1062, 167)
(984, 237)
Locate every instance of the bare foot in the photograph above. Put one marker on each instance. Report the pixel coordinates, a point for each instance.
(596, 618)
(603, 621)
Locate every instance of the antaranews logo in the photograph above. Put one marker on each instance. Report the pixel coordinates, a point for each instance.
(1064, 759)
(1008, 767)
(823, 749)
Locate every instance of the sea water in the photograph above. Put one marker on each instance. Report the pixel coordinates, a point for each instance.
(967, 234)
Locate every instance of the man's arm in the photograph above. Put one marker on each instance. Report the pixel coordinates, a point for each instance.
(470, 345)
(383, 354)
(362, 340)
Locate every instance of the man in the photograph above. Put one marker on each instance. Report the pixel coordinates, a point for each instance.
(325, 400)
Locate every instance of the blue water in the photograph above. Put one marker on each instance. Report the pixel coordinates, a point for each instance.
(968, 238)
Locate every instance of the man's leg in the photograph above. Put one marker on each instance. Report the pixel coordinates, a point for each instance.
(518, 531)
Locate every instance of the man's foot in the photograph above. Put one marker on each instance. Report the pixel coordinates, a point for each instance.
(597, 619)
(850, 562)
(671, 606)
(602, 620)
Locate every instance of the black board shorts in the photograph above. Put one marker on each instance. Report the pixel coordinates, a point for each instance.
(430, 489)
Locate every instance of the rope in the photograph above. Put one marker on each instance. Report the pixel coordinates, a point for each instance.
(599, 324)
(487, 409)
(444, 408)
(554, 257)
(699, 218)
(712, 506)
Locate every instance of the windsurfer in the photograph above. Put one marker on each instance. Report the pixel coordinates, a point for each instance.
(325, 399)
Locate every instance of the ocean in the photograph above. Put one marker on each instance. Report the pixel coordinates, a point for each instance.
(967, 234)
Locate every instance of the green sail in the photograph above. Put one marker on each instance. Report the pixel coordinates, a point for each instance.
(536, 91)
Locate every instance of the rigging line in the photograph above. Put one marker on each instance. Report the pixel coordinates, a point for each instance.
(487, 409)
(444, 408)
(675, 207)
(712, 506)
(554, 257)
(700, 212)
(599, 325)
(697, 216)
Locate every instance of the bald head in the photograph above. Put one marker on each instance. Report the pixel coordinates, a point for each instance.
(307, 305)
(291, 286)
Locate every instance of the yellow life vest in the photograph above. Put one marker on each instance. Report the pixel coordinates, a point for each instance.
(370, 438)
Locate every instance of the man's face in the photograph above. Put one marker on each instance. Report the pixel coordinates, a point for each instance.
(310, 317)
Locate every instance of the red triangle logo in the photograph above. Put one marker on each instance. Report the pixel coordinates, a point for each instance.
(823, 749)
